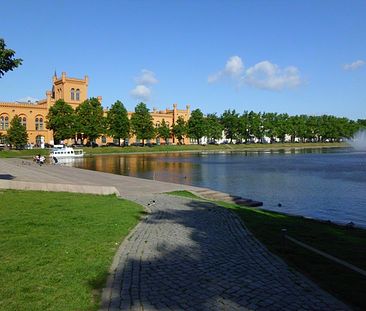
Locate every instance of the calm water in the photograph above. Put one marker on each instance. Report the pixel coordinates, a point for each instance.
(319, 183)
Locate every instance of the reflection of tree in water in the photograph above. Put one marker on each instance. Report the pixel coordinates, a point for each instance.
(162, 167)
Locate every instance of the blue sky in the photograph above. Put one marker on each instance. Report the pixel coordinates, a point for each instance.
(299, 57)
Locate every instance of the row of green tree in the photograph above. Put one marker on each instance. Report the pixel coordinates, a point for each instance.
(252, 126)
(89, 122)
(88, 118)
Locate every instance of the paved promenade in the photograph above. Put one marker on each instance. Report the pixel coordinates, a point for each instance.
(186, 254)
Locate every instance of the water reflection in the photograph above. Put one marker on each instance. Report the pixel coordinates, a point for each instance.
(320, 183)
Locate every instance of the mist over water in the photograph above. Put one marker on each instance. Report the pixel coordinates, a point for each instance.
(358, 142)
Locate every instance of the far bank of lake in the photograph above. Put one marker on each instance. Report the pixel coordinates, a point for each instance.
(322, 183)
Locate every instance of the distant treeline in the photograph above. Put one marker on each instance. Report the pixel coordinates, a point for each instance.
(276, 127)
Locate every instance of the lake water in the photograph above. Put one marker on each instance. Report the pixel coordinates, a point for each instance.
(328, 184)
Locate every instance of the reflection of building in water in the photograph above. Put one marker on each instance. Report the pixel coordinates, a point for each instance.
(151, 166)
(32, 113)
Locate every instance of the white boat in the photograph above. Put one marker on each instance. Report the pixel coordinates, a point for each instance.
(62, 152)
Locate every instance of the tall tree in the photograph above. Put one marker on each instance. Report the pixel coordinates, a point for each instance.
(90, 119)
(142, 123)
(163, 130)
(243, 127)
(7, 60)
(255, 125)
(282, 126)
(61, 120)
(17, 133)
(230, 122)
(180, 129)
(118, 124)
(214, 127)
(197, 127)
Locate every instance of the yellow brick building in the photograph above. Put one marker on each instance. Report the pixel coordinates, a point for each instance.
(73, 91)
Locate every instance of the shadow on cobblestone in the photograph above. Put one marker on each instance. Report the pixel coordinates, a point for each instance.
(197, 256)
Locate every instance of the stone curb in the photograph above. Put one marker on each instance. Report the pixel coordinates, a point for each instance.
(23, 185)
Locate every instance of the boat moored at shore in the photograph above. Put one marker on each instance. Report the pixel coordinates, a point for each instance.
(61, 152)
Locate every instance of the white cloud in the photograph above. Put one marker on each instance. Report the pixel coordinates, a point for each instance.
(266, 75)
(146, 77)
(144, 81)
(355, 65)
(141, 92)
(234, 68)
(263, 75)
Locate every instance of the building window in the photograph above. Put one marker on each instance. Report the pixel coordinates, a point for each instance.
(72, 94)
(23, 121)
(39, 123)
(4, 122)
(104, 139)
(77, 94)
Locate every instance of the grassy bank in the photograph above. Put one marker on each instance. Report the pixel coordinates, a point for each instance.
(56, 248)
(176, 148)
(345, 243)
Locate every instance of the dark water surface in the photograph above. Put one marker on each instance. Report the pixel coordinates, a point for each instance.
(319, 183)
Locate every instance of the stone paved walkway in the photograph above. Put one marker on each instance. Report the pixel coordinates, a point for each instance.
(187, 254)
(194, 255)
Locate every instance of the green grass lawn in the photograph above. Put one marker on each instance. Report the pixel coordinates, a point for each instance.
(348, 244)
(56, 248)
(174, 148)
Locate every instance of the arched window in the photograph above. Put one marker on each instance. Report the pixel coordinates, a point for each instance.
(4, 122)
(72, 94)
(39, 123)
(77, 94)
(23, 121)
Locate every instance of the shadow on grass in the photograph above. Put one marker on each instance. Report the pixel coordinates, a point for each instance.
(209, 263)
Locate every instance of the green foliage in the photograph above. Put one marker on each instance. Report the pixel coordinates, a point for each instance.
(361, 123)
(56, 248)
(90, 119)
(214, 127)
(255, 125)
(118, 124)
(61, 119)
(163, 130)
(142, 123)
(17, 134)
(180, 129)
(230, 122)
(252, 126)
(7, 60)
(197, 126)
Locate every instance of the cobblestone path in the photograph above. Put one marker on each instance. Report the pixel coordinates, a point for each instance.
(194, 255)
